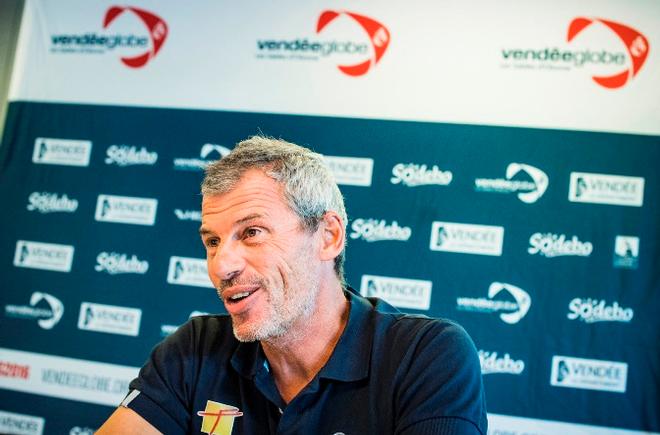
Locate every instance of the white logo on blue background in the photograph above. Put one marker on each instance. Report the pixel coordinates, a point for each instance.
(626, 252)
(124, 155)
(208, 153)
(510, 312)
(527, 191)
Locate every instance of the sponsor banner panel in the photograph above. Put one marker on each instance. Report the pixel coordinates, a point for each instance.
(499, 424)
(126, 210)
(467, 238)
(606, 189)
(109, 318)
(400, 292)
(45, 308)
(47, 256)
(512, 269)
(589, 374)
(20, 424)
(188, 271)
(581, 64)
(66, 152)
(511, 311)
(65, 378)
(351, 171)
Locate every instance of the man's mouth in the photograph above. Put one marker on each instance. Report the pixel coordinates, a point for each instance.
(239, 296)
(235, 294)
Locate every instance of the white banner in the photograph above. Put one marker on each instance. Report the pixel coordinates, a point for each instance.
(585, 66)
(65, 378)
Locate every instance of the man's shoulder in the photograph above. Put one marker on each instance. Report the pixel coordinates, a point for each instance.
(398, 336)
(393, 325)
(410, 330)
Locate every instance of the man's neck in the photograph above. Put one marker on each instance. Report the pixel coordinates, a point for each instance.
(298, 356)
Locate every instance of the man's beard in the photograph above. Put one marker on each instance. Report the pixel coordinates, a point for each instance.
(284, 306)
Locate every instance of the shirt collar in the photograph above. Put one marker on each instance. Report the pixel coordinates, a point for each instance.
(349, 360)
(352, 354)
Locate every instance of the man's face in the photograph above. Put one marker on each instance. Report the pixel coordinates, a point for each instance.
(264, 265)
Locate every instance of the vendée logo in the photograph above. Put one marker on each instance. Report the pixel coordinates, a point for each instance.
(155, 25)
(92, 42)
(636, 45)
(379, 37)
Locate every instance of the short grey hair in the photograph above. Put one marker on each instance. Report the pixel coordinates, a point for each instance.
(309, 187)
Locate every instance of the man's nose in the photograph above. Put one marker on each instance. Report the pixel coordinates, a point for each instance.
(228, 261)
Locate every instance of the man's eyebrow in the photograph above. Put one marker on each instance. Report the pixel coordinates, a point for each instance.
(204, 231)
(248, 218)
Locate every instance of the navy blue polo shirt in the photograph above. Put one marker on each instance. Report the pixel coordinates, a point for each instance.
(389, 373)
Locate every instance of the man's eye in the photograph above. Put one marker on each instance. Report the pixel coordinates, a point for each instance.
(211, 242)
(251, 232)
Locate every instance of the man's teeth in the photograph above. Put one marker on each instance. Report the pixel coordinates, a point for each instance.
(238, 296)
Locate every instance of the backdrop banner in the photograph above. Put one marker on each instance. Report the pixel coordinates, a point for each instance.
(499, 164)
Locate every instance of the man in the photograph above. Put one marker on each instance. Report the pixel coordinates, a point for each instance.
(299, 353)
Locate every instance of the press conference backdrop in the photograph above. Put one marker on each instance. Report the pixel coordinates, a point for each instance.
(499, 162)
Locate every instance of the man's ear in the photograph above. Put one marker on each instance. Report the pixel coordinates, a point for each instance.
(333, 235)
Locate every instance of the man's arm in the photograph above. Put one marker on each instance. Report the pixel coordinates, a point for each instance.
(157, 401)
(125, 421)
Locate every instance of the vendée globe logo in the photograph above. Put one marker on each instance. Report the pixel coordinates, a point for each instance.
(92, 42)
(637, 47)
(306, 48)
(528, 190)
(564, 58)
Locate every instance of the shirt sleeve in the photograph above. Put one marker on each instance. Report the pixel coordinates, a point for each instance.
(440, 389)
(164, 383)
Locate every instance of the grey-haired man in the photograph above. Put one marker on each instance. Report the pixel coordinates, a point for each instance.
(299, 352)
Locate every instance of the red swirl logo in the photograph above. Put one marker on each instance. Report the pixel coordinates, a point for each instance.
(636, 45)
(157, 32)
(379, 37)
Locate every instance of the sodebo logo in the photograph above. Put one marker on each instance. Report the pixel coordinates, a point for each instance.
(637, 47)
(124, 155)
(512, 312)
(114, 263)
(528, 191)
(413, 175)
(491, 363)
(48, 202)
(306, 48)
(375, 230)
(595, 310)
(93, 43)
(555, 245)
